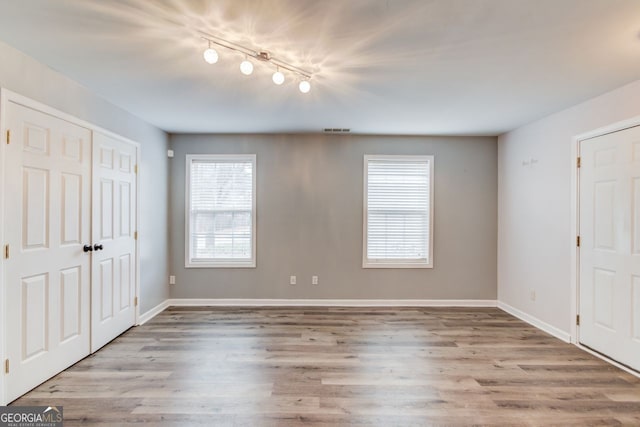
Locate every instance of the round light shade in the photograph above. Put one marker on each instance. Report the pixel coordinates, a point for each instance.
(246, 67)
(304, 86)
(278, 78)
(211, 56)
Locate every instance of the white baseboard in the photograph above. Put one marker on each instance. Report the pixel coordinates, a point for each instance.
(144, 318)
(241, 302)
(534, 321)
(188, 302)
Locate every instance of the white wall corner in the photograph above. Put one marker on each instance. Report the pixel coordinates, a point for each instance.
(150, 314)
(534, 321)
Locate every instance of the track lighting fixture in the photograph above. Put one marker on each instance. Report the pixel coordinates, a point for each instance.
(278, 77)
(210, 55)
(246, 66)
(304, 86)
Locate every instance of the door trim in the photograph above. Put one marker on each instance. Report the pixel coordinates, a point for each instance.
(3, 296)
(7, 96)
(575, 225)
(136, 321)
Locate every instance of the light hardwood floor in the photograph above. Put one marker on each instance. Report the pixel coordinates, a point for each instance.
(340, 366)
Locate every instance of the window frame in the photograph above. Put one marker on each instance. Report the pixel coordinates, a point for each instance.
(228, 262)
(400, 263)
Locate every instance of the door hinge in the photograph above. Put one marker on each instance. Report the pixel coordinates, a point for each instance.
(8, 136)
(578, 319)
(6, 251)
(578, 162)
(135, 301)
(135, 235)
(6, 366)
(135, 168)
(578, 241)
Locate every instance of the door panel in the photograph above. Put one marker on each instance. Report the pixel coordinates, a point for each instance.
(125, 281)
(125, 209)
(36, 212)
(106, 286)
(113, 224)
(106, 209)
(70, 299)
(604, 285)
(71, 208)
(604, 225)
(635, 301)
(48, 164)
(610, 245)
(35, 299)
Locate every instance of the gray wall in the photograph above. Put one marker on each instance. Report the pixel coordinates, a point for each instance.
(309, 219)
(24, 75)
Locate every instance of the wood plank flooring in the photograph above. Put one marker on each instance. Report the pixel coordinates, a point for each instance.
(340, 366)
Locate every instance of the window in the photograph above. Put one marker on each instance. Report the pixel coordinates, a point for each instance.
(398, 212)
(221, 211)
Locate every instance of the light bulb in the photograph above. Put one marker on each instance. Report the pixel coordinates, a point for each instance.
(278, 78)
(210, 56)
(304, 86)
(246, 67)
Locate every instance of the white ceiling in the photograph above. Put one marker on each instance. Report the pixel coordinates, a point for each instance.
(385, 67)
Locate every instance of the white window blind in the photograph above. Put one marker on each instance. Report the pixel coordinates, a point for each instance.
(398, 211)
(221, 211)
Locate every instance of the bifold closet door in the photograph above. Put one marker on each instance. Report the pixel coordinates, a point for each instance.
(610, 245)
(47, 275)
(114, 226)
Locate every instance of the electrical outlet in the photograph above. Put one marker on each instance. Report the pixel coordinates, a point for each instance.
(532, 295)
(292, 280)
(172, 280)
(314, 280)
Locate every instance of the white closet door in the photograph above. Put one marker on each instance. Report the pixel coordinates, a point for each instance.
(114, 224)
(47, 211)
(610, 245)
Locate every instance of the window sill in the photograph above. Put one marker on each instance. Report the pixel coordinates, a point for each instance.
(248, 264)
(369, 264)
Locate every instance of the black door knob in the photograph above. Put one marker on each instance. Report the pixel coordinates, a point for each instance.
(97, 247)
(87, 248)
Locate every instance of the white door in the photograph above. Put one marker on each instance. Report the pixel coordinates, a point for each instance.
(610, 245)
(114, 224)
(47, 208)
